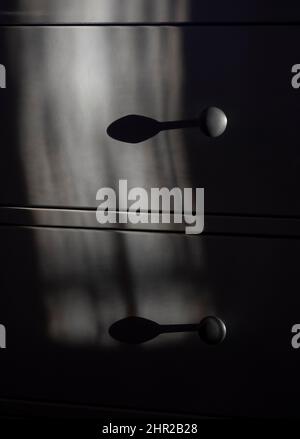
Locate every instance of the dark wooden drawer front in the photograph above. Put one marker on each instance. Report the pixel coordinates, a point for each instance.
(62, 289)
(66, 85)
(143, 11)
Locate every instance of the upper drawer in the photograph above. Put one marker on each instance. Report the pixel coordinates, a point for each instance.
(66, 85)
(150, 11)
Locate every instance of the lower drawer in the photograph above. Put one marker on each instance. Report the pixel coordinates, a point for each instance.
(62, 289)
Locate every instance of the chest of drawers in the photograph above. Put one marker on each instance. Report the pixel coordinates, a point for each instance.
(71, 70)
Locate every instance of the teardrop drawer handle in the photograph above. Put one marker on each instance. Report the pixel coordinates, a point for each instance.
(135, 128)
(135, 330)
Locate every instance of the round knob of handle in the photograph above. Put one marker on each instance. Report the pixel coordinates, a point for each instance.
(212, 330)
(213, 121)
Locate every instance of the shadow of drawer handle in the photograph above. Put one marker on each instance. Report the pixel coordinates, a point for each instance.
(135, 330)
(134, 128)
